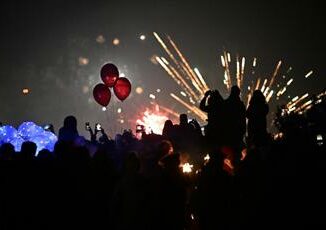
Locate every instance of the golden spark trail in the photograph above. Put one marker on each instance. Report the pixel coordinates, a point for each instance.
(297, 101)
(257, 84)
(166, 49)
(188, 74)
(176, 77)
(222, 61)
(184, 83)
(238, 71)
(169, 111)
(229, 57)
(269, 96)
(275, 73)
(192, 108)
(254, 62)
(264, 85)
(303, 106)
(309, 73)
(187, 65)
(227, 69)
(243, 63)
(201, 79)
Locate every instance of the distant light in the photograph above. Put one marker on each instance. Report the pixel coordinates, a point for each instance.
(122, 121)
(152, 96)
(25, 91)
(85, 89)
(122, 75)
(192, 216)
(100, 39)
(308, 74)
(83, 61)
(289, 82)
(158, 90)
(153, 60)
(207, 157)
(139, 90)
(229, 57)
(319, 139)
(103, 109)
(183, 93)
(295, 98)
(243, 154)
(222, 61)
(116, 42)
(187, 168)
(119, 110)
(254, 62)
(142, 37)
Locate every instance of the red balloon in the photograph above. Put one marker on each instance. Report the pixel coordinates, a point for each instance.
(109, 74)
(122, 88)
(102, 94)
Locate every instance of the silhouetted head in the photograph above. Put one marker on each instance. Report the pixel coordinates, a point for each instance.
(235, 91)
(168, 126)
(70, 122)
(69, 130)
(183, 119)
(258, 97)
(7, 151)
(215, 98)
(165, 148)
(28, 150)
(44, 154)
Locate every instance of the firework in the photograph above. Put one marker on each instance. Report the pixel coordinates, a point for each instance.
(193, 84)
(153, 120)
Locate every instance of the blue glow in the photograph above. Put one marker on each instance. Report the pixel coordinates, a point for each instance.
(17, 143)
(7, 133)
(28, 131)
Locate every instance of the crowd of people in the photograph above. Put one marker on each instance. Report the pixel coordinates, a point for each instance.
(250, 180)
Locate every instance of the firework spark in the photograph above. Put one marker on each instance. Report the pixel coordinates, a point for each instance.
(193, 84)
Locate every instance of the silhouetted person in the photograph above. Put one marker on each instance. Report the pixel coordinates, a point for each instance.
(173, 194)
(28, 151)
(235, 123)
(129, 197)
(44, 155)
(213, 105)
(69, 130)
(213, 195)
(256, 114)
(7, 151)
(182, 134)
(167, 129)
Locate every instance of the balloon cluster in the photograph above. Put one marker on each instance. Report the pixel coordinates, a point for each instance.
(27, 131)
(110, 77)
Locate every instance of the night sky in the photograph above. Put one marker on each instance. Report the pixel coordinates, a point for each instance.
(42, 41)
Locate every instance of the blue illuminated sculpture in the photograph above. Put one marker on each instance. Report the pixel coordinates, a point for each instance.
(7, 133)
(28, 131)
